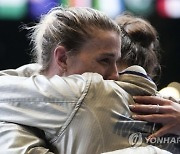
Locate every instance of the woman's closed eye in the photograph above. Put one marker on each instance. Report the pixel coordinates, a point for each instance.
(105, 61)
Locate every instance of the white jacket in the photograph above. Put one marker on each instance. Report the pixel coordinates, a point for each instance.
(79, 114)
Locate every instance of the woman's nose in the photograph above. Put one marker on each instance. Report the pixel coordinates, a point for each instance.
(114, 74)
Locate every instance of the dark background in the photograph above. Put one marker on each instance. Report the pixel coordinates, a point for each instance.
(169, 32)
(15, 48)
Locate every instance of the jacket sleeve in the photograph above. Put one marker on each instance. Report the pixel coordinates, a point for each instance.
(25, 70)
(17, 139)
(36, 102)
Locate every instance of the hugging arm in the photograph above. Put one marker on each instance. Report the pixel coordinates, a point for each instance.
(18, 139)
(158, 110)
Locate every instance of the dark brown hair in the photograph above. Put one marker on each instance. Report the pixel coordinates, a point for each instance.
(140, 44)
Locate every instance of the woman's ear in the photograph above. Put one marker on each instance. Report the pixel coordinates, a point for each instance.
(60, 57)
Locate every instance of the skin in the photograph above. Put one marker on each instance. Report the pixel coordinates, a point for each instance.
(168, 115)
(98, 55)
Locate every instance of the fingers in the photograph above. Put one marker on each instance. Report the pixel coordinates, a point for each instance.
(151, 100)
(157, 118)
(151, 109)
(143, 108)
(164, 130)
(159, 133)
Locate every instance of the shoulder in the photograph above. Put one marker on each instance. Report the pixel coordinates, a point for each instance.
(135, 79)
(25, 70)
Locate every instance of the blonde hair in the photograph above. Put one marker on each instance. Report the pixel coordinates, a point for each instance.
(69, 27)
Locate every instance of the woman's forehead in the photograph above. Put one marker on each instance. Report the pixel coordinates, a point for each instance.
(107, 44)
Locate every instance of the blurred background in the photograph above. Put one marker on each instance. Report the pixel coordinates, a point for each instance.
(164, 15)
